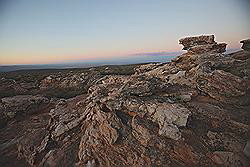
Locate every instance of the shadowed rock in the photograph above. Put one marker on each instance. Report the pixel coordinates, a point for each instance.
(21, 105)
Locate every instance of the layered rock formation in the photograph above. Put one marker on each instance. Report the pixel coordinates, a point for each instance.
(202, 44)
(193, 111)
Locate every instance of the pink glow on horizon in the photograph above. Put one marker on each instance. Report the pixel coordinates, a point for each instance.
(56, 59)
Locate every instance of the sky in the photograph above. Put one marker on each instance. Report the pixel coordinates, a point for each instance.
(61, 31)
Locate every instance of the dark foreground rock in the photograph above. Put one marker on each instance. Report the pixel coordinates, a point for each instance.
(22, 105)
(193, 111)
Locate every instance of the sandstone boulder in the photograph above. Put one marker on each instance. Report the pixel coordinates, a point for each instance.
(189, 42)
(209, 48)
(170, 117)
(202, 44)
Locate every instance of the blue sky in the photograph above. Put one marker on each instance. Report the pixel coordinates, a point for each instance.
(59, 31)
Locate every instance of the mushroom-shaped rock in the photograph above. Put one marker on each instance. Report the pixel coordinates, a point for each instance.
(202, 44)
(189, 42)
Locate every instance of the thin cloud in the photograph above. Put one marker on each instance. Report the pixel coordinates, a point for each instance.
(157, 54)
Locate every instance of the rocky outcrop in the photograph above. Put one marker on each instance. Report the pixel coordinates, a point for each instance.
(189, 42)
(202, 44)
(11, 87)
(246, 44)
(63, 82)
(69, 84)
(169, 117)
(192, 111)
(21, 105)
(226, 158)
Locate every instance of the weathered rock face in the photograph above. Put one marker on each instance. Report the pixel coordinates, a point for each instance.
(202, 44)
(20, 105)
(147, 67)
(193, 111)
(68, 84)
(226, 158)
(10, 87)
(212, 48)
(215, 86)
(63, 82)
(189, 42)
(246, 44)
(169, 117)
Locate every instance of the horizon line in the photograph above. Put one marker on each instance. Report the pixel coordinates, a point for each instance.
(93, 61)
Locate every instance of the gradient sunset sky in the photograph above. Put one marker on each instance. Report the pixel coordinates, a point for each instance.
(60, 31)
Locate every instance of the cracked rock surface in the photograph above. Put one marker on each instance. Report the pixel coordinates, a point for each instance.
(193, 111)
